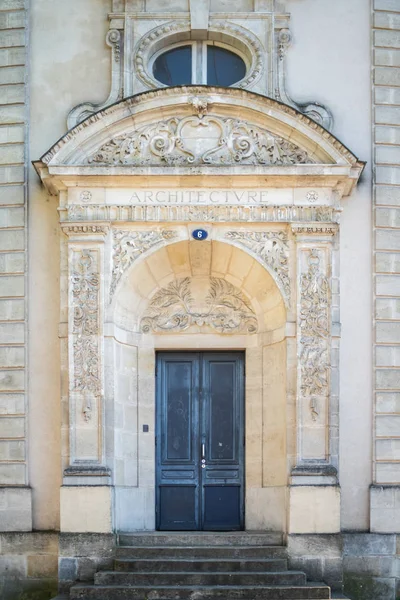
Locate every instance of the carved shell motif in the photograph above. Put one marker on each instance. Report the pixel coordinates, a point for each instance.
(200, 140)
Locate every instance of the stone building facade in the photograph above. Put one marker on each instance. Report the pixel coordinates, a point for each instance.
(291, 178)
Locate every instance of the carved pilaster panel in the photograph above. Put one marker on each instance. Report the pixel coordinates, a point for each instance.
(85, 345)
(314, 352)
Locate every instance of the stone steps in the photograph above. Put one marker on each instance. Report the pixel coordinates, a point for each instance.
(196, 566)
(201, 552)
(276, 592)
(201, 564)
(201, 538)
(199, 579)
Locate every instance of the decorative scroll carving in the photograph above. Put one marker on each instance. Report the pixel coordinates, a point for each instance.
(187, 212)
(129, 245)
(86, 109)
(314, 333)
(172, 309)
(317, 112)
(85, 283)
(194, 140)
(271, 248)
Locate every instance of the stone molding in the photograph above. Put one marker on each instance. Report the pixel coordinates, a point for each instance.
(88, 229)
(313, 229)
(218, 214)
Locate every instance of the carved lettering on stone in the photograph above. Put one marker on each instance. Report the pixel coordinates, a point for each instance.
(85, 282)
(175, 308)
(129, 245)
(197, 140)
(271, 248)
(314, 326)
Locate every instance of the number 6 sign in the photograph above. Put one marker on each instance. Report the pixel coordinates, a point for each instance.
(199, 234)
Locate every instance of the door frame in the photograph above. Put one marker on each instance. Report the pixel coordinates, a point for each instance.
(242, 433)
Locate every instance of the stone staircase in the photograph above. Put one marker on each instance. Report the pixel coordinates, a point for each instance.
(178, 566)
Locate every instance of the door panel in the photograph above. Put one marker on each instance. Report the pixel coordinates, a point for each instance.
(177, 452)
(200, 437)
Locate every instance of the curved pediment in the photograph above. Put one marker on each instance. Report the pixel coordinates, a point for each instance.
(197, 125)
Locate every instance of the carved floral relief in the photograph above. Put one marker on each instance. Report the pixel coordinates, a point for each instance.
(175, 308)
(85, 285)
(129, 245)
(314, 333)
(200, 140)
(271, 248)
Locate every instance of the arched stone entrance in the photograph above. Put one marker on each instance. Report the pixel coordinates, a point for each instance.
(202, 296)
(266, 183)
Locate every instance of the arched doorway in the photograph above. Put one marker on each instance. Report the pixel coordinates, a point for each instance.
(199, 299)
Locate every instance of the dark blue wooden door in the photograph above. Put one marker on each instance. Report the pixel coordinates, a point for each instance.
(200, 441)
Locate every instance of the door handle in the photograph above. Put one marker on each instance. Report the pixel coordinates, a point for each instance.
(203, 451)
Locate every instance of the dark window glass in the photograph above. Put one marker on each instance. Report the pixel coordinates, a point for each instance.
(223, 67)
(174, 67)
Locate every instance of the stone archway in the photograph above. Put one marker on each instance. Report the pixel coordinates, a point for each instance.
(200, 295)
(263, 178)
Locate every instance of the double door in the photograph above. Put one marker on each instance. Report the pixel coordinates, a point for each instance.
(200, 441)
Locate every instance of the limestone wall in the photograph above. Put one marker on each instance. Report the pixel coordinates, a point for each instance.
(386, 137)
(15, 504)
(329, 61)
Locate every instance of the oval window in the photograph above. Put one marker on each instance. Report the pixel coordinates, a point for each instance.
(224, 68)
(174, 67)
(199, 62)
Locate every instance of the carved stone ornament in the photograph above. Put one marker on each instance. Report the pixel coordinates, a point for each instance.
(314, 333)
(271, 248)
(85, 283)
(129, 245)
(160, 36)
(201, 140)
(173, 308)
(186, 212)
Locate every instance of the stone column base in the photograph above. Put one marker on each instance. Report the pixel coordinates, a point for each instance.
(314, 509)
(86, 509)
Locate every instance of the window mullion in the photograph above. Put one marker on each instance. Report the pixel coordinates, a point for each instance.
(198, 63)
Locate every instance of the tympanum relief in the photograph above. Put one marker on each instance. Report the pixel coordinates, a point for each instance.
(213, 303)
(200, 140)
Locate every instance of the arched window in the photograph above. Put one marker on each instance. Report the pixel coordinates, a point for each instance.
(199, 62)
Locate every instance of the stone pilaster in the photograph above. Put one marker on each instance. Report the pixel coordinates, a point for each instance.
(87, 466)
(385, 494)
(314, 477)
(15, 493)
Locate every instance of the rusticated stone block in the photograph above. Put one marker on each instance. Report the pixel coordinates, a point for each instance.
(43, 567)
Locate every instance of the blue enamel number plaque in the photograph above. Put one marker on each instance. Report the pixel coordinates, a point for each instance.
(199, 234)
